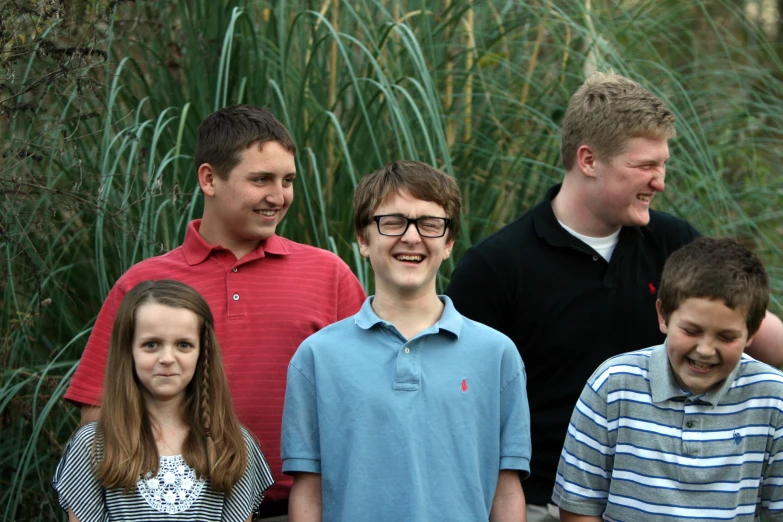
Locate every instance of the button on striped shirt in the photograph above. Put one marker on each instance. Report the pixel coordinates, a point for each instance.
(640, 448)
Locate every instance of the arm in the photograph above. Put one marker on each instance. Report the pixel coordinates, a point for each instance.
(767, 345)
(350, 295)
(567, 516)
(304, 504)
(771, 494)
(588, 446)
(78, 491)
(509, 502)
(86, 387)
(247, 494)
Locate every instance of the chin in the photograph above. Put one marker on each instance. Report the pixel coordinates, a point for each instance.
(637, 221)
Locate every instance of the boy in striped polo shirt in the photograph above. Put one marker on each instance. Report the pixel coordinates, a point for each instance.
(691, 429)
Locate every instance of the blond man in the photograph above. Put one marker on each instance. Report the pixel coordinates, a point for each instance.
(574, 280)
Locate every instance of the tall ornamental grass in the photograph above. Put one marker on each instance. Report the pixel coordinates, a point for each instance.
(101, 101)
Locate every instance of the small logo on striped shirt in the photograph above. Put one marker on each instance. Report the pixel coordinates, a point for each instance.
(737, 438)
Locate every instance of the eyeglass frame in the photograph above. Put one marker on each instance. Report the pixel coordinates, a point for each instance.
(415, 222)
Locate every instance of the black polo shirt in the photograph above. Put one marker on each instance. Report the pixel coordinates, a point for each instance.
(566, 309)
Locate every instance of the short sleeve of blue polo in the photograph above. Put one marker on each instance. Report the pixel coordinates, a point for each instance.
(401, 429)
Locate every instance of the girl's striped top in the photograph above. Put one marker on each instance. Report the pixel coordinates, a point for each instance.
(174, 494)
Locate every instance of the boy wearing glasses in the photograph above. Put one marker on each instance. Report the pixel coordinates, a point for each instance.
(407, 410)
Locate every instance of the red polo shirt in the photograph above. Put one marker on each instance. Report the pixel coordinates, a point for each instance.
(264, 306)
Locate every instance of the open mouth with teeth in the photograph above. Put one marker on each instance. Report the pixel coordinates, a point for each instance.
(699, 366)
(409, 258)
(266, 213)
(644, 197)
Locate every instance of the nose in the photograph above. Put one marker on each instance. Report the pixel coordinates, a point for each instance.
(166, 356)
(706, 348)
(275, 195)
(657, 183)
(411, 235)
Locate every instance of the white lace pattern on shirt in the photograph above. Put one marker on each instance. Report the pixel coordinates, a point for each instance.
(175, 487)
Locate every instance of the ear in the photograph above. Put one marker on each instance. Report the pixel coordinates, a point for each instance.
(206, 179)
(661, 321)
(447, 251)
(364, 247)
(585, 160)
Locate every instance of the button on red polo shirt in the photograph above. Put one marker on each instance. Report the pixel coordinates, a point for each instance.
(264, 306)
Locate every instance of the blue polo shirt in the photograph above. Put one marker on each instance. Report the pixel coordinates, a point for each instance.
(413, 430)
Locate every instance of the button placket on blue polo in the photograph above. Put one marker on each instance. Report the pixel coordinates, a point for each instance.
(407, 373)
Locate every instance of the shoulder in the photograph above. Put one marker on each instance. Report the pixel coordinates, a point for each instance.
(84, 436)
(250, 441)
(302, 251)
(310, 255)
(758, 378)
(618, 370)
(509, 235)
(342, 331)
(168, 265)
(492, 345)
(336, 336)
(503, 251)
(487, 336)
(670, 229)
(78, 452)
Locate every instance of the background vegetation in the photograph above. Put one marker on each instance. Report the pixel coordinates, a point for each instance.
(100, 101)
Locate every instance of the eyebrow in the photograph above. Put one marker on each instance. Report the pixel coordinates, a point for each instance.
(686, 322)
(268, 173)
(649, 161)
(149, 338)
(406, 217)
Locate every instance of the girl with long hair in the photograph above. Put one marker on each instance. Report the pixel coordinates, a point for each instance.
(168, 445)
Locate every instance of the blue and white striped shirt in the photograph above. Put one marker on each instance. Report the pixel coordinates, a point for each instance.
(80, 492)
(640, 448)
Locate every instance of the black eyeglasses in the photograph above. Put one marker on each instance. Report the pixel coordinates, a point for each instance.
(397, 225)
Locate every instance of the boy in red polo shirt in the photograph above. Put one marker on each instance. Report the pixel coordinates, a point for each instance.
(267, 294)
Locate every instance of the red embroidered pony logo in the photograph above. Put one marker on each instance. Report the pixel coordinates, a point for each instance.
(464, 386)
(652, 288)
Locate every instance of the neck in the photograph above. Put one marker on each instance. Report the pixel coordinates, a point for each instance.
(572, 207)
(213, 233)
(168, 426)
(409, 314)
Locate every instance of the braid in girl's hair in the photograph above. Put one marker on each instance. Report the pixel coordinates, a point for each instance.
(206, 408)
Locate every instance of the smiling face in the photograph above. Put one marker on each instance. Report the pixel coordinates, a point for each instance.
(165, 350)
(705, 341)
(247, 206)
(625, 185)
(405, 266)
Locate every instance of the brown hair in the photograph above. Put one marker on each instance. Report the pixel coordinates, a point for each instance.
(214, 446)
(226, 133)
(423, 181)
(716, 268)
(606, 111)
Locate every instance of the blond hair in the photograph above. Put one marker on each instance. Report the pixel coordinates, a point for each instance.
(606, 111)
